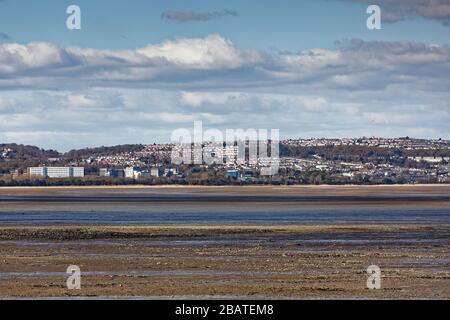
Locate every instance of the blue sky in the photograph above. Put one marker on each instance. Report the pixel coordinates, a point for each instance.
(262, 24)
(140, 69)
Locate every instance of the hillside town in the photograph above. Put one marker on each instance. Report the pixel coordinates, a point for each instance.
(301, 161)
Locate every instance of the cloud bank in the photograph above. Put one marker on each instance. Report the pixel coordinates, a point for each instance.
(77, 97)
(214, 61)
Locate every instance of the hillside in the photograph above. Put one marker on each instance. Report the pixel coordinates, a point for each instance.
(102, 151)
(18, 156)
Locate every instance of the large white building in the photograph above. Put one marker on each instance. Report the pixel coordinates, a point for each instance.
(56, 172)
(37, 172)
(133, 172)
(77, 172)
(137, 173)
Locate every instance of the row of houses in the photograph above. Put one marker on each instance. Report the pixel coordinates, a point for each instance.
(430, 159)
(403, 143)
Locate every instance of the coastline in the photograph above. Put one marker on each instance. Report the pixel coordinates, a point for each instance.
(250, 189)
(175, 186)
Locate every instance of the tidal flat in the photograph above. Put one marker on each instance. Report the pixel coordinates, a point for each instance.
(306, 243)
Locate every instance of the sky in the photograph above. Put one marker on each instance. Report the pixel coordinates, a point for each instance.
(139, 69)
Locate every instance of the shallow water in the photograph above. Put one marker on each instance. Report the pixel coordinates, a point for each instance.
(230, 215)
(145, 273)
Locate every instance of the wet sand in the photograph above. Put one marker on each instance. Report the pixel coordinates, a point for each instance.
(321, 190)
(437, 196)
(254, 262)
(305, 261)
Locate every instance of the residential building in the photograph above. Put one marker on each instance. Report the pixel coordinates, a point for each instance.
(37, 172)
(16, 173)
(233, 173)
(77, 172)
(133, 172)
(113, 173)
(56, 172)
(170, 172)
(156, 172)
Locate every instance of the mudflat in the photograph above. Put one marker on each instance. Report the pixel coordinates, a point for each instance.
(409, 195)
(232, 261)
(320, 190)
(323, 258)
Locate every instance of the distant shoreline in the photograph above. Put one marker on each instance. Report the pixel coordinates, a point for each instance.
(170, 186)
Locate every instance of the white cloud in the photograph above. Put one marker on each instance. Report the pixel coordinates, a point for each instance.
(197, 99)
(212, 52)
(16, 57)
(78, 97)
(215, 62)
